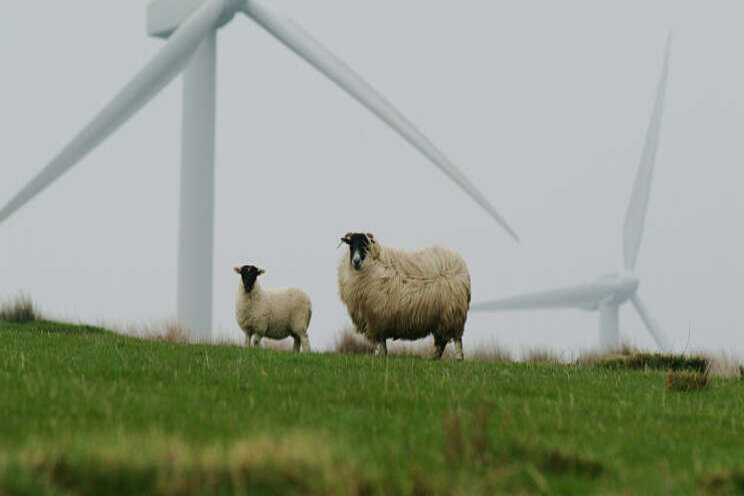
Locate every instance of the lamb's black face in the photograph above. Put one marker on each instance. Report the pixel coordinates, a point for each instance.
(358, 248)
(249, 273)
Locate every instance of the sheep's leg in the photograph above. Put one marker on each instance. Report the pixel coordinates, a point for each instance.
(296, 347)
(458, 349)
(305, 344)
(381, 348)
(439, 344)
(257, 341)
(248, 338)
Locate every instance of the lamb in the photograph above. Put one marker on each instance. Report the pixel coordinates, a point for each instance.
(273, 313)
(390, 293)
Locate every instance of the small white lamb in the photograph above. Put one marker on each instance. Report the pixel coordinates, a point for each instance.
(273, 313)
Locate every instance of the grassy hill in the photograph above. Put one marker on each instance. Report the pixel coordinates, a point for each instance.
(86, 411)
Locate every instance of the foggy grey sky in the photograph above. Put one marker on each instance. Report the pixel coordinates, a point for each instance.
(544, 105)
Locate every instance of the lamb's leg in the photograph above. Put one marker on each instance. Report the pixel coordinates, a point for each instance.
(296, 347)
(256, 341)
(439, 344)
(381, 348)
(305, 344)
(458, 349)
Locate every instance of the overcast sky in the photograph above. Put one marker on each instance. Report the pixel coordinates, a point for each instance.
(543, 104)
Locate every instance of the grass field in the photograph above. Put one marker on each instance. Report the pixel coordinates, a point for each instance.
(86, 411)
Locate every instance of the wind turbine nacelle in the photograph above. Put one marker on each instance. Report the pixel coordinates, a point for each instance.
(626, 285)
(164, 16)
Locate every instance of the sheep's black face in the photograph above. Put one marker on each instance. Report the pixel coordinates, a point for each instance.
(358, 248)
(249, 273)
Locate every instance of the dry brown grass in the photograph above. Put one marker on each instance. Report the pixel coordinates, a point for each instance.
(158, 330)
(723, 364)
(593, 356)
(542, 355)
(685, 381)
(158, 464)
(349, 342)
(277, 345)
(724, 482)
(18, 310)
(489, 351)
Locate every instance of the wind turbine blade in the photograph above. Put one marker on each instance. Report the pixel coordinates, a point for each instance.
(581, 296)
(635, 217)
(297, 40)
(158, 72)
(653, 328)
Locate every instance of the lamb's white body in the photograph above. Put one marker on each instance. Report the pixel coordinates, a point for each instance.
(273, 313)
(407, 295)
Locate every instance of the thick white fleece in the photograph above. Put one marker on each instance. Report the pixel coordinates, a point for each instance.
(274, 313)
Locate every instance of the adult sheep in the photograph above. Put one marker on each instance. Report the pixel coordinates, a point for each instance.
(272, 313)
(393, 294)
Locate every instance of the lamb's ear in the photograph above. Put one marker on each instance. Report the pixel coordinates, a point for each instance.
(261, 271)
(346, 239)
(237, 270)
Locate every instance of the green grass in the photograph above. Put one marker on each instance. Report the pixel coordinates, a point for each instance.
(85, 411)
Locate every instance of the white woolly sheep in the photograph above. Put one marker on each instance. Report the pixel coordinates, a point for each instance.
(390, 293)
(272, 313)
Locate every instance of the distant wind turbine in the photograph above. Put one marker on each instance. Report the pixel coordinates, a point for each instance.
(607, 293)
(191, 26)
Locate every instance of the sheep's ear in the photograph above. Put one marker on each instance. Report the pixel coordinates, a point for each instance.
(371, 237)
(261, 271)
(237, 270)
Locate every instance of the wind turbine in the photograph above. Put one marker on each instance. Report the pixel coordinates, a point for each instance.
(607, 293)
(191, 26)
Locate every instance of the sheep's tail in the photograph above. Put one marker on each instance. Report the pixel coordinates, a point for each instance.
(309, 316)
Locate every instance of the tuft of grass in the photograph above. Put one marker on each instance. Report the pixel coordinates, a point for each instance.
(542, 355)
(741, 373)
(685, 380)
(167, 330)
(489, 352)
(724, 482)
(655, 361)
(722, 363)
(454, 440)
(18, 311)
(351, 343)
(561, 462)
(588, 358)
(479, 446)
